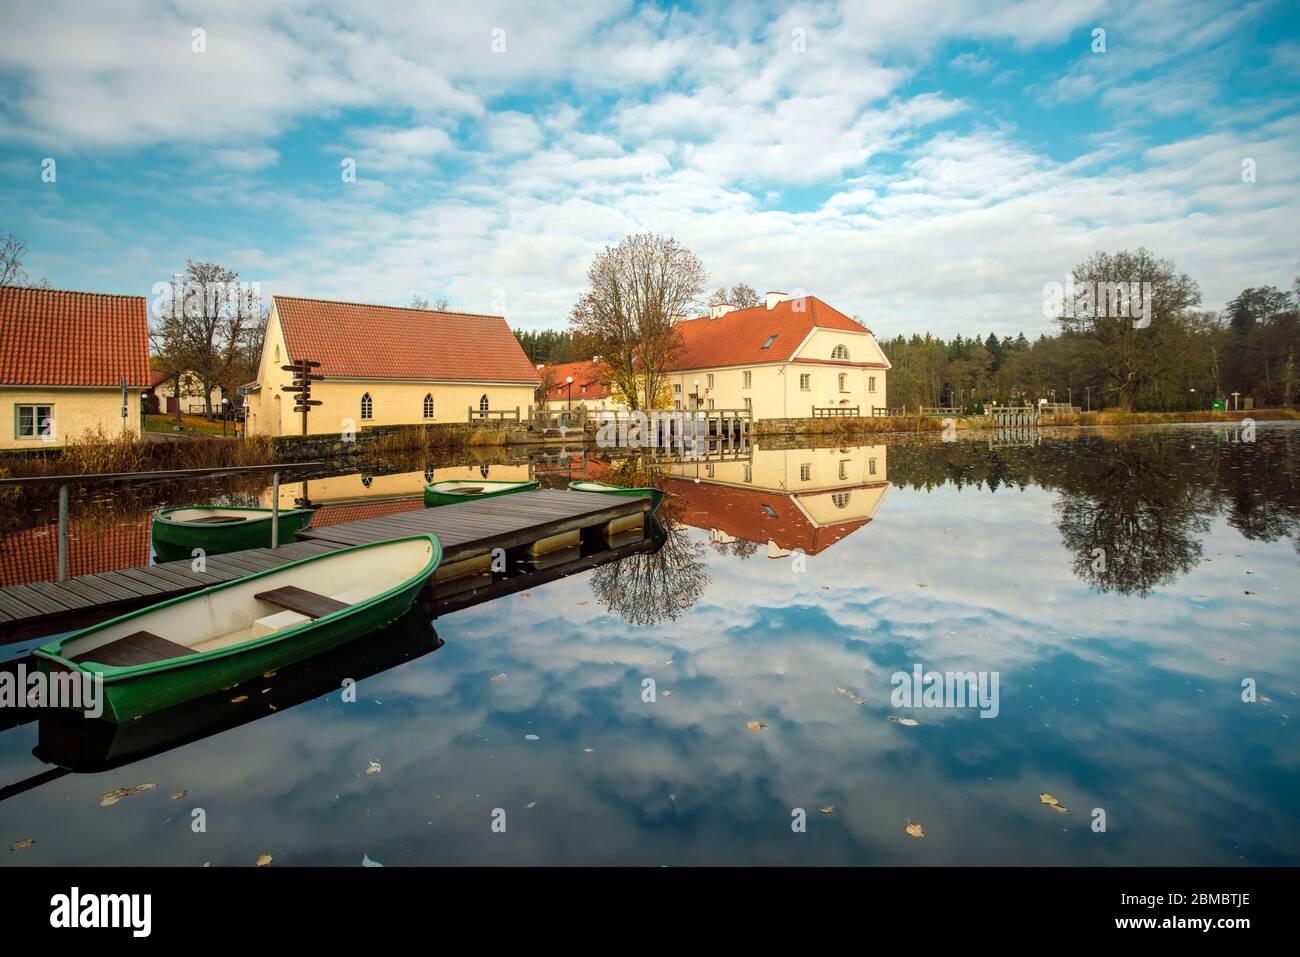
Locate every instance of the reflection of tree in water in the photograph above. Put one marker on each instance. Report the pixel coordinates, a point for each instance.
(740, 547)
(656, 586)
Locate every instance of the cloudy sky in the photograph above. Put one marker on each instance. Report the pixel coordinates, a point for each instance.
(921, 165)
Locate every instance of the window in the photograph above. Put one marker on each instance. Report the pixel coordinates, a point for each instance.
(710, 382)
(871, 383)
(770, 340)
(749, 379)
(771, 512)
(841, 499)
(844, 382)
(749, 403)
(871, 466)
(805, 473)
(33, 421)
(677, 388)
(844, 469)
(483, 403)
(805, 382)
(428, 405)
(678, 405)
(840, 352)
(367, 407)
(710, 403)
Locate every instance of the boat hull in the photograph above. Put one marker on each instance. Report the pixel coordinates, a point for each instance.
(434, 497)
(146, 691)
(655, 495)
(174, 540)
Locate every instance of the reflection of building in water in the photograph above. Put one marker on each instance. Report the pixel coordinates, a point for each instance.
(791, 499)
(360, 487)
(32, 555)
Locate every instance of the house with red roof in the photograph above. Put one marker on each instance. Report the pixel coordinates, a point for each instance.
(72, 364)
(579, 385)
(779, 359)
(385, 365)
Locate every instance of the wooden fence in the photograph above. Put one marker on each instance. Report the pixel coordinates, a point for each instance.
(834, 411)
(487, 415)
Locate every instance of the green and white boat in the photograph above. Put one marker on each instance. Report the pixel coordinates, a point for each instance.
(213, 639)
(220, 528)
(655, 495)
(449, 492)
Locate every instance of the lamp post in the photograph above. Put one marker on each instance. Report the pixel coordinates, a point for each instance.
(225, 414)
(568, 380)
(697, 393)
(1235, 404)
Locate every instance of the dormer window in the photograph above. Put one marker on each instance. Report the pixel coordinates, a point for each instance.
(770, 340)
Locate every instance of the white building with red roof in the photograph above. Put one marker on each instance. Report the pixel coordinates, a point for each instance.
(780, 359)
(386, 365)
(580, 385)
(72, 365)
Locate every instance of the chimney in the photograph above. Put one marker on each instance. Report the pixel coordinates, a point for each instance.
(774, 297)
(720, 310)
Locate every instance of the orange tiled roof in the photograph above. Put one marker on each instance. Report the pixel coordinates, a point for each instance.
(53, 337)
(738, 336)
(32, 554)
(390, 342)
(328, 515)
(590, 380)
(740, 513)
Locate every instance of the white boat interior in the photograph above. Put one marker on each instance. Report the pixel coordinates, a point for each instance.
(209, 515)
(242, 612)
(470, 487)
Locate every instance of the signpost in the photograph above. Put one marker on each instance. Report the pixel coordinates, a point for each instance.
(303, 377)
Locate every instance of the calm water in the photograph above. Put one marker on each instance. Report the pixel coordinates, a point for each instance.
(797, 582)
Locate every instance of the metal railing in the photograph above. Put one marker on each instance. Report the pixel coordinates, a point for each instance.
(948, 410)
(487, 415)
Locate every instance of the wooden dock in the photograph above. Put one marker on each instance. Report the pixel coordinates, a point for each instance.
(467, 530)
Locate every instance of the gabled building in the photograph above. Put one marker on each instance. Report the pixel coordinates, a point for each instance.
(386, 365)
(590, 388)
(71, 364)
(780, 360)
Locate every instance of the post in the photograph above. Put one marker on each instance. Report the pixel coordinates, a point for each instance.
(63, 533)
(275, 509)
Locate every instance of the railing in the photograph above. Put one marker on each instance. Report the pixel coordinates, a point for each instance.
(884, 412)
(834, 411)
(1005, 416)
(541, 420)
(948, 410)
(487, 415)
(1058, 408)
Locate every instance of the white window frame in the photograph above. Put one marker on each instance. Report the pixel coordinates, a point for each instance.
(35, 435)
(805, 472)
(367, 407)
(805, 382)
(871, 383)
(429, 407)
(748, 380)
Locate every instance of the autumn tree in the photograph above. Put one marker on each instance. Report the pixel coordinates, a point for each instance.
(637, 293)
(742, 296)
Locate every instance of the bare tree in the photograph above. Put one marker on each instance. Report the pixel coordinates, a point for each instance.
(742, 296)
(639, 291)
(422, 302)
(13, 249)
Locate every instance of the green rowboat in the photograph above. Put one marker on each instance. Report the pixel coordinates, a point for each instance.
(220, 528)
(213, 639)
(446, 493)
(655, 495)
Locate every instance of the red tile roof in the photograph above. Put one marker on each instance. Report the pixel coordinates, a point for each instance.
(53, 337)
(32, 554)
(590, 380)
(390, 342)
(328, 515)
(738, 336)
(740, 513)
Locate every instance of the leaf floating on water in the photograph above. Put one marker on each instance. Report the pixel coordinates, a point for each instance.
(241, 698)
(848, 693)
(828, 809)
(666, 694)
(268, 674)
(756, 725)
(500, 677)
(374, 767)
(922, 585)
(1053, 803)
(263, 860)
(584, 602)
(22, 844)
(588, 750)
(905, 722)
(531, 804)
(914, 829)
(109, 798)
(532, 737)
(177, 795)
(367, 862)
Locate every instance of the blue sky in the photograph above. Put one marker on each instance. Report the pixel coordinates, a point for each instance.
(919, 165)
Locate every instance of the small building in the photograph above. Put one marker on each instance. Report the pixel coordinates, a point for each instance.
(590, 388)
(72, 364)
(167, 392)
(386, 365)
(781, 359)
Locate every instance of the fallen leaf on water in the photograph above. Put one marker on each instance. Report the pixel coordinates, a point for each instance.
(263, 860)
(268, 674)
(500, 677)
(177, 795)
(756, 725)
(848, 693)
(905, 722)
(374, 767)
(22, 845)
(666, 694)
(828, 809)
(531, 804)
(367, 862)
(109, 798)
(584, 602)
(588, 750)
(914, 829)
(1053, 803)
(242, 697)
(921, 585)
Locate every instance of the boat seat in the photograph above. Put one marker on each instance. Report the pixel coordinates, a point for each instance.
(139, 648)
(302, 601)
(212, 519)
(287, 619)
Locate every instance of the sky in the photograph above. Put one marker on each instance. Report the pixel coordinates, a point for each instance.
(923, 166)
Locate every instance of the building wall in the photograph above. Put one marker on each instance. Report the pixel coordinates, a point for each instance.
(393, 402)
(352, 488)
(782, 470)
(76, 412)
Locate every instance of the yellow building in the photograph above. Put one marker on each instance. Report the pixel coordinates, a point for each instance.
(72, 364)
(579, 385)
(779, 360)
(385, 365)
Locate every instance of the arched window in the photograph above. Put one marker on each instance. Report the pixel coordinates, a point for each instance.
(844, 382)
(841, 499)
(483, 403)
(840, 352)
(428, 405)
(367, 407)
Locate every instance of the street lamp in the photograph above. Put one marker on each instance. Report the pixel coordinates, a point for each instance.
(697, 393)
(225, 414)
(569, 382)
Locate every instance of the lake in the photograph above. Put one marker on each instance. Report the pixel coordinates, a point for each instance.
(1130, 594)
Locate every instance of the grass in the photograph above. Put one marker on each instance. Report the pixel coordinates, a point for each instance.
(188, 423)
